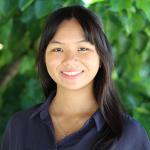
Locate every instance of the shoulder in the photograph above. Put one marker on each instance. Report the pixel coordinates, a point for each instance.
(134, 135)
(22, 118)
(18, 125)
(132, 127)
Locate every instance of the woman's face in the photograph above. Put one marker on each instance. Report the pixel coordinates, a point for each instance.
(71, 61)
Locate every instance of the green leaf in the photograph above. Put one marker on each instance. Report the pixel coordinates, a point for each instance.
(69, 2)
(91, 2)
(18, 30)
(112, 23)
(5, 57)
(5, 53)
(5, 32)
(140, 41)
(146, 83)
(27, 64)
(116, 5)
(127, 22)
(147, 30)
(2, 7)
(145, 6)
(42, 8)
(28, 15)
(24, 4)
(30, 95)
(138, 22)
(32, 31)
(142, 114)
(10, 7)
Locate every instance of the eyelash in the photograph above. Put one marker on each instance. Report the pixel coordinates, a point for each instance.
(85, 49)
(55, 49)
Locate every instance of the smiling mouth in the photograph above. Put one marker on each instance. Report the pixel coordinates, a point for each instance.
(71, 75)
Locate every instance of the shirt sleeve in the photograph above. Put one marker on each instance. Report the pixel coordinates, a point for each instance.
(133, 137)
(141, 138)
(6, 139)
(11, 139)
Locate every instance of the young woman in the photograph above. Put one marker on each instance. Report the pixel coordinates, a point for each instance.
(82, 111)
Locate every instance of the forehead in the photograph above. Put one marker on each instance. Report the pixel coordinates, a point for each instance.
(69, 30)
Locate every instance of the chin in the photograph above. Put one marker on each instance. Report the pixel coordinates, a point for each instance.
(73, 87)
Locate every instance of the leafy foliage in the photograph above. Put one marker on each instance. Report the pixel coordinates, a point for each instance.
(127, 25)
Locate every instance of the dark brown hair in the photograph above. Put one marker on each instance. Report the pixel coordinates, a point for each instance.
(103, 89)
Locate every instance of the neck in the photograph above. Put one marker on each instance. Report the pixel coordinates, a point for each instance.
(74, 102)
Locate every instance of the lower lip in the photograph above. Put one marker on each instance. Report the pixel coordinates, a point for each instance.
(71, 77)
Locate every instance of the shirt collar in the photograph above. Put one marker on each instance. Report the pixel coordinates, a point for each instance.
(43, 108)
(99, 120)
(43, 111)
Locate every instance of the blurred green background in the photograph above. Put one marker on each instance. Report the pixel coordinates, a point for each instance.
(127, 25)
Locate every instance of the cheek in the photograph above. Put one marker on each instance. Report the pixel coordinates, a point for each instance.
(92, 60)
(52, 62)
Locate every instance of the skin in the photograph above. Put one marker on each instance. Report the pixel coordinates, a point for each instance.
(68, 49)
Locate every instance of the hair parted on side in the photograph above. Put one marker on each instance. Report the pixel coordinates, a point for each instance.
(103, 89)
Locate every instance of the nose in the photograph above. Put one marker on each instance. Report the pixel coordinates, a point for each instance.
(70, 57)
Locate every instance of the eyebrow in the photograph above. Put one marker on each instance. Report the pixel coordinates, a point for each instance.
(58, 42)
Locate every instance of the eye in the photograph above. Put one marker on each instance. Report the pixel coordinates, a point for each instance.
(57, 50)
(83, 49)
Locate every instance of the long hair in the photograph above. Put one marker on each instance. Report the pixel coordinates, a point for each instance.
(103, 89)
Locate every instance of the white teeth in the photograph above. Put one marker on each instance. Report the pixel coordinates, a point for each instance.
(72, 73)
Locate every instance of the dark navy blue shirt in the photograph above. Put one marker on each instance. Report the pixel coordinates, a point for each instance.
(32, 130)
